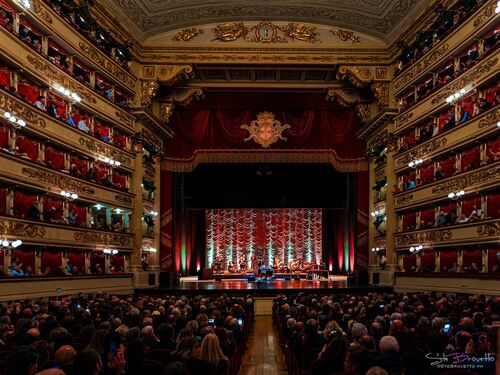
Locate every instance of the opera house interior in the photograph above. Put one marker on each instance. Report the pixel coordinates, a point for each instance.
(250, 187)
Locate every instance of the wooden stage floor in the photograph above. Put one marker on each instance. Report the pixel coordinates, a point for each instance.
(335, 284)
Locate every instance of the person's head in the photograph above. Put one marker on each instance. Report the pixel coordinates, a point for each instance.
(357, 331)
(211, 350)
(65, 355)
(22, 361)
(357, 361)
(186, 348)
(377, 371)
(87, 362)
(389, 344)
(98, 340)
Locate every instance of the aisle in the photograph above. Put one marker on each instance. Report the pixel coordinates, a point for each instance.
(263, 356)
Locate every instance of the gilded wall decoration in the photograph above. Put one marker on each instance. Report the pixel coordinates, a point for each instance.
(489, 229)
(358, 75)
(403, 120)
(39, 9)
(344, 97)
(345, 35)
(126, 119)
(54, 179)
(266, 130)
(149, 173)
(184, 96)
(404, 199)
(124, 199)
(381, 92)
(186, 35)
(57, 77)
(490, 120)
(101, 149)
(148, 71)
(485, 14)
(265, 32)
(20, 229)
(8, 104)
(420, 67)
(472, 179)
(166, 111)
(468, 78)
(103, 239)
(149, 90)
(364, 113)
(423, 237)
(422, 150)
(97, 57)
(169, 75)
(380, 171)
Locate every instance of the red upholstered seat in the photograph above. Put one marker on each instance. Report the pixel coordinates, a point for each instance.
(27, 147)
(30, 93)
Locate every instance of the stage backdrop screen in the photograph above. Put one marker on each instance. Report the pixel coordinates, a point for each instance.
(288, 234)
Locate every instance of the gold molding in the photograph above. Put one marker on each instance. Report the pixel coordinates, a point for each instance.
(54, 75)
(151, 138)
(99, 148)
(364, 113)
(462, 182)
(95, 56)
(125, 118)
(423, 237)
(54, 179)
(485, 14)
(421, 150)
(345, 35)
(186, 35)
(265, 121)
(20, 229)
(265, 156)
(403, 120)
(490, 120)
(381, 93)
(149, 90)
(169, 75)
(103, 238)
(166, 112)
(39, 10)
(361, 76)
(489, 229)
(344, 97)
(183, 96)
(8, 104)
(124, 199)
(403, 199)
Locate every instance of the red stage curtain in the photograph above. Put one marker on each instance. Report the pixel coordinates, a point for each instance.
(3, 201)
(166, 222)
(51, 259)
(214, 124)
(54, 156)
(22, 203)
(447, 258)
(27, 147)
(493, 206)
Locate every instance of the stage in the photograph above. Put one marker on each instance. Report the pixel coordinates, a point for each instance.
(332, 285)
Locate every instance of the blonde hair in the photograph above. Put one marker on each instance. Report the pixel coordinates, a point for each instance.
(331, 326)
(210, 349)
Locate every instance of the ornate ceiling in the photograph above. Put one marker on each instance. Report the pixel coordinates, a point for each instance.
(381, 19)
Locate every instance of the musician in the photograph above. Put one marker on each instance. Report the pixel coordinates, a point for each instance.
(243, 263)
(254, 262)
(218, 265)
(230, 267)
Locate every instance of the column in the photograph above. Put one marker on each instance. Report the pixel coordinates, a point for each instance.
(87, 263)
(437, 260)
(7, 261)
(460, 260)
(372, 256)
(392, 219)
(64, 260)
(107, 263)
(38, 262)
(484, 260)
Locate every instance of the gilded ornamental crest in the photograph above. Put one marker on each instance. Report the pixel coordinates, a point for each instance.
(265, 130)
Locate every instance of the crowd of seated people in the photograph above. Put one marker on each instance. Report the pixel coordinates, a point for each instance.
(387, 333)
(58, 108)
(445, 22)
(468, 108)
(80, 17)
(102, 334)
